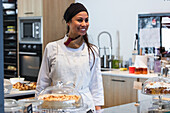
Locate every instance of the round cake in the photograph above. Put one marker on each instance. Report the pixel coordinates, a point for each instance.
(59, 101)
(157, 88)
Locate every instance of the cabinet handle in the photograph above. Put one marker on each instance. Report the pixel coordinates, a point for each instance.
(29, 13)
(118, 80)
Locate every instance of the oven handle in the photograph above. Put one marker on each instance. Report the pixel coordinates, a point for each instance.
(27, 53)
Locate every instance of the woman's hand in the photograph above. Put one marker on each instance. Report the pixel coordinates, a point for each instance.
(98, 107)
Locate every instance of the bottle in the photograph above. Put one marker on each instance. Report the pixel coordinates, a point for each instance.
(157, 61)
(115, 63)
(135, 50)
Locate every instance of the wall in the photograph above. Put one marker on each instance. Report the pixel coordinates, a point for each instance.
(1, 61)
(119, 18)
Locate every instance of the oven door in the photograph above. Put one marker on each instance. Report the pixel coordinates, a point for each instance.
(29, 65)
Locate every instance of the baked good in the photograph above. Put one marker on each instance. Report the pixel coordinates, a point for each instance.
(33, 85)
(22, 86)
(157, 88)
(59, 101)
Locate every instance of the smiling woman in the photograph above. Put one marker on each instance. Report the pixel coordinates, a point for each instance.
(1, 61)
(73, 59)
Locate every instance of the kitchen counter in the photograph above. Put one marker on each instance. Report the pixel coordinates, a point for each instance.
(143, 106)
(117, 72)
(126, 108)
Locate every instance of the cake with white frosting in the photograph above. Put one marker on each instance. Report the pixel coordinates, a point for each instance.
(157, 88)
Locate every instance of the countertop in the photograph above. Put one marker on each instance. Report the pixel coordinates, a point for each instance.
(16, 92)
(126, 108)
(117, 72)
(143, 106)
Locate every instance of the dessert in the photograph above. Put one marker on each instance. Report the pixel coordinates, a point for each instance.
(33, 85)
(59, 101)
(22, 86)
(157, 88)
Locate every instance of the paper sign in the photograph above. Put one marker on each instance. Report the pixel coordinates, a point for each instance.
(150, 37)
(137, 85)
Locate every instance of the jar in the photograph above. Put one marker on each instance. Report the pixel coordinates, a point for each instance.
(131, 69)
(140, 70)
(137, 70)
(145, 71)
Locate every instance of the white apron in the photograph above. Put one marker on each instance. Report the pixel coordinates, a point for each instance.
(74, 67)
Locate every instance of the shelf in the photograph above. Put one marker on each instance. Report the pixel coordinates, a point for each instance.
(10, 45)
(9, 21)
(9, 50)
(10, 33)
(7, 39)
(9, 2)
(12, 9)
(10, 14)
(9, 57)
(13, 64)
(10, 38)
(9, 70)
(7, 76)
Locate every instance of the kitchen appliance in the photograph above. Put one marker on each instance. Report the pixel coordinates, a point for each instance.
(30, 56)
(30, 30)
(106, 59)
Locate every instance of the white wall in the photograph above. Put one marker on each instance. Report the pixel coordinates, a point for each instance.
(120, 16)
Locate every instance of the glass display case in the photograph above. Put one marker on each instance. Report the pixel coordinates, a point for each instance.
(61, 98)
(157, 87)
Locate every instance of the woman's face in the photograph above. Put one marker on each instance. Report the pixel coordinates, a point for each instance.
(78, 24)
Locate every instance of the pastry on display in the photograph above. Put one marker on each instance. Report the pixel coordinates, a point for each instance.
(22, 86)
(33, 85)
(56, 101)
(156, 86)
(61, 98)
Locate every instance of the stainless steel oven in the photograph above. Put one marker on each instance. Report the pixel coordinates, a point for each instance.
(30, 29)
(30, 56)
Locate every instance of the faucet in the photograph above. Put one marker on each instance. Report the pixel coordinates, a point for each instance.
(109, 60)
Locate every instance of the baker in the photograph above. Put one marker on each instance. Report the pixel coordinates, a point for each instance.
(74, 59)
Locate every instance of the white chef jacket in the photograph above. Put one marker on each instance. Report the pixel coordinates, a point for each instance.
(53, 55)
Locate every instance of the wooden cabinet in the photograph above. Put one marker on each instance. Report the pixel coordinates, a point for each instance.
(118, 90)
(28, 8)
(54, 26)
(51, 11)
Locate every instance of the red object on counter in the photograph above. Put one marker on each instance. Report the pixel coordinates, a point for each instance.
(131, 69)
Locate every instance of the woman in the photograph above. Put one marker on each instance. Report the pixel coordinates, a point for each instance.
(74, 59)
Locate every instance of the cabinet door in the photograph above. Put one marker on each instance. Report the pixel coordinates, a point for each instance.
(118, 90)
(28, 8)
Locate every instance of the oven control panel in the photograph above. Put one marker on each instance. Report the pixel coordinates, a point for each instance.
(30, 47)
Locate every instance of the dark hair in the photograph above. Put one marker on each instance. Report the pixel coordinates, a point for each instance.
(72, 10)
(90, 48)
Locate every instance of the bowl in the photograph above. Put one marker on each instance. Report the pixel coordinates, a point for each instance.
(15, 80)
(10, 12)
(8, 6)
